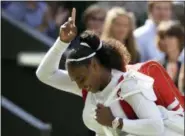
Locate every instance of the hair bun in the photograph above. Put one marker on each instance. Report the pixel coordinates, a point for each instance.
(91, 38)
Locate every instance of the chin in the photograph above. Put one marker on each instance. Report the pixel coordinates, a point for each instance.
(93, 91)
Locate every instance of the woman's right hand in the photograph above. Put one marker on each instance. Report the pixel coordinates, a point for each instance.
(68, 30)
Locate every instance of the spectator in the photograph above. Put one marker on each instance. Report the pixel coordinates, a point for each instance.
(178, 11)
(59, 15)
(4, 4)
(93, 18)
(33, 13)
(145, 35)
(119, 25)
(173, 35)
(30, 13)
(137, 7)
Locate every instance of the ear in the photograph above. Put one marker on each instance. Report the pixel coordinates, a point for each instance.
(94, 64)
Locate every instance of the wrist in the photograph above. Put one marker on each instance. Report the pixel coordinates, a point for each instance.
(117, 123)
(120, 124)
(60, 45)
(63, 41)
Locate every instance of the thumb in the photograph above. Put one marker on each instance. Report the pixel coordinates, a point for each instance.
(100, 106)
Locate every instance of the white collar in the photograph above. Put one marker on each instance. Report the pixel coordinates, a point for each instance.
(114, 81)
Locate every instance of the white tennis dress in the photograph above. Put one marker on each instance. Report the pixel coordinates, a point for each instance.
(153, 120)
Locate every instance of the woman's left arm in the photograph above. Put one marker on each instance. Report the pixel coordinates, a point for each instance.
(150, 121)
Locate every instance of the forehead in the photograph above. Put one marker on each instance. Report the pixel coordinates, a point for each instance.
(121, 19)
(162, 4)
(77, 71)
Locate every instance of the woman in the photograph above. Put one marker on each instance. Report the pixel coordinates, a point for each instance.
(171, 42)
(119, 25)
(93, 18)
(91, 64)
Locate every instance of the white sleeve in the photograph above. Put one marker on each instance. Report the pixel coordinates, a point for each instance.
(149, 123)
(49, 73)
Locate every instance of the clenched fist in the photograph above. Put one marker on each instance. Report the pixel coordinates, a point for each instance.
(104, 115)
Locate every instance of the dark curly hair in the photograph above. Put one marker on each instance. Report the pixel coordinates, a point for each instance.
(112, 55)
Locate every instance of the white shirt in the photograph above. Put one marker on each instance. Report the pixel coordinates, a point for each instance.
(146, 41)
(149, 122)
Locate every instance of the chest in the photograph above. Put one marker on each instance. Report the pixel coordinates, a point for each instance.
(89, 112)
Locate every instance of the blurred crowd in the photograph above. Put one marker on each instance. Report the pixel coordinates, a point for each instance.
(152, 30)
(46, 17)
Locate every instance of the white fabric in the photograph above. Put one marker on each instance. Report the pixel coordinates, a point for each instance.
(150, 122)
(136, 81)
(85, 44)
(146, 41)
(86, 57)
(83, 58)
(49, 73)
(174, 104)
(173, 120)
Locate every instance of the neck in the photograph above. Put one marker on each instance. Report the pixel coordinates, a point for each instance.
(173, 56)
(105, 78)
(156, 22)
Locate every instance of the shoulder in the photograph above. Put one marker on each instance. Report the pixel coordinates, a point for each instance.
(144, 30)
(136, 82)
(43, 6)
(136, 79)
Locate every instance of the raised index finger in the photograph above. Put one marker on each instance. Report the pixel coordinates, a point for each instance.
(73, 15)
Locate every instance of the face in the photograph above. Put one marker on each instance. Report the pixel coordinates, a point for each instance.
(172, 44)
(86, 77)
(161, 43)
(120, 28)
(95, 22)
(161, 11)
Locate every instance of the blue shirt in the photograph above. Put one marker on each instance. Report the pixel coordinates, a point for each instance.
(19, 11)
(181, 57)
(146, 41)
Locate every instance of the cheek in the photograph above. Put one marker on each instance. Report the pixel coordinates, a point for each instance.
(119, 31)
(162, 45)
(91, 24)
(127, 29)
(171, 42)
(115, 29)
(94, 80)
